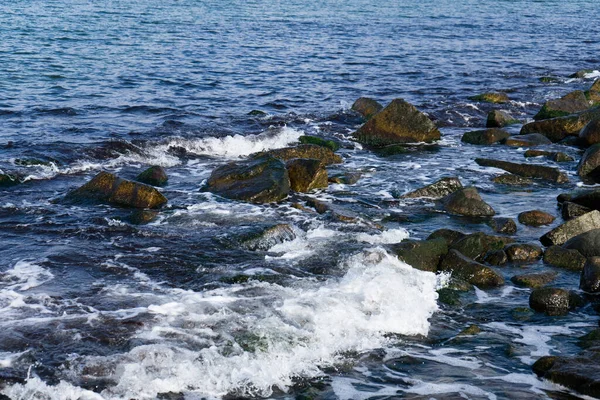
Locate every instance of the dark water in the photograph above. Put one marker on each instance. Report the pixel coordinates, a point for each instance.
(92, 306)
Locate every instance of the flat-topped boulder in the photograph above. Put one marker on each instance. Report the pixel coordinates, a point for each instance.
(477, 245)
(536, 218)
(580, 373)
(534, 280)
(527, 140)
(399, 122)
(557, 129)
(573, 227)
(366, 107)
(526, 170)
(485, 137)
(588, 198)
(568, 104)
(436, 190)
(491, 97)
(560, 257)
(323, 154)
(467, 201)
(571, 210)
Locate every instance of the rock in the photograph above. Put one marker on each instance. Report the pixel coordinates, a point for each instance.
(324, 154)
(512, 180)
(155, 176)
(447, 296)
(485, 137)
(469, 270)
(536, 218)
(424, 255)
(262, 239)
(588, 198)
(552, 301)
(572, 210)
(548, 79)
(587, 244)
(572, 228)
(499, 119)
(471, 330)
(593, 95)
(564, 197)
(526, 170)
(306, 174)
(491, 97)
(8, 180)
(496, 257)
(581, 73)
(318, 141)
(109, 188)
(436, 190)
(534, 280)
(366, 107)
(556, 129)
(347, 178)
(566, 105)
(448, 235)
(141, 217)
(503, 225)
(467, 202)
(476, 245)
(542, 365)
(523, 253)
(580, 373)
(257, 180)
(398, 123)
(590, 276)
(571, 260)
(527, 140)
(590, 134)
(587, 168)
(554, 156)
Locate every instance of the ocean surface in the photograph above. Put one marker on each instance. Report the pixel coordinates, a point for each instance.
(94, 307)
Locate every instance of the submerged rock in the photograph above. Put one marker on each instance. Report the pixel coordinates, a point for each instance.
(552, 301)
(470, 271)
(556, 156)
(318, 141)
(580, 373)
(347, 178)
(526, 170)
(572, 228)
(512, 180)
(467, 202)
(568, 104)
(306, 174)
(571, 260)
(436, 190)
(366, 107)
(109, 188)
(324, 154)
(491, 97)
(587, 244)
(262, 239)
(257, 180)
(8, 180)
(556, 129)
(499, 119)
(399, 122)
(590, 134)
(534, 280)
(155, 176)
(588, 167)
(424, 255)
(141, 217)
(528, 140)
(536, 218)
(485, 137)
(590, 276)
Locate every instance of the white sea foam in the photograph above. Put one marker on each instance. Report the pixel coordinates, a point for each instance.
(386, 237)
(24, 275)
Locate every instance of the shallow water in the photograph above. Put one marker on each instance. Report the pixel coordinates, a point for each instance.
(94, 307)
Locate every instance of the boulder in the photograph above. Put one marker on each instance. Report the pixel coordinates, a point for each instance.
(552, 301)
(523, 253)
(424, 255)
(527, 140)
(484, 137)
(593, 95)
(496, 257)
(324, 154)
(467, 202)
(109, 188)
(491, 97)
(262, 179)
(155, 176)
(318, 141)
(476, 245)
(306, 174)
(346, 178)
(503, 225)
(590, 276)
(589, 198)
(581, 74)
(587, 244)
(141, 217)
(263, 238)
(587, 168)
(571, 260)
(571, 210)
(536, 218)
(534, 280)
(526, 170)
(512, 180)
(366, 107)
(580, 373)
(571, 228)
(590, 134)
(449, 235)
(469, 270)
(556, 156)
(436, 190)
(398, 123)
(499, 119)
(566, 105)
(556, 129)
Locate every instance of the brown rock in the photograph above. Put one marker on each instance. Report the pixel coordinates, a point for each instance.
(436, 190)
(523, 253)
(590, 134)
(556, 129)
(568, 104)
(323, 154)
(512, 180)
(485, 137)
(529, 140)
(471, 271)
(536, 218)
(468, 202)
(526, 170)
(571, 260)
(306, 174)
(366, 107)
(573, 210)
(499, 119)
(534, 280)
(503, 225)
(491, 97)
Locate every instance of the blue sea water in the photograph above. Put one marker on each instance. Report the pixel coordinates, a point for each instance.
(93, 306)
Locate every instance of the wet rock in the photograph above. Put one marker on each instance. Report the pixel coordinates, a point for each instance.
(590, 134)
(526, 170)
(471, 330)
(588, 167)
(399, 122)
(262, 239)
(8, 180)
(485, 137)
(491, 97)
(496, 257)
(589, 198)
(436, 190)
(306, 174)
(570, 103)
(155, 176)
(476, 245)
(320, 206)
(552, 301)
(587, 244)
(347, 178)
(556, 129)
(467, 202)
(424, 255)
(257, 180)
(543, 365)
(571, 260)
(573, 210)
(324, 154)
(527, 140)
(556, 156)
(572, 228)
(512, 180)
(318, 141)
(499, 119)
(109, 188)
(449, 235)
(581, 73)
(580, 373)
(141, 217)
(366, 107)
(591, 339)
(523, 253)
(469, 270)
(536, 218)
(534, 280)
(593, 95)
(503, 225)
(590, 276)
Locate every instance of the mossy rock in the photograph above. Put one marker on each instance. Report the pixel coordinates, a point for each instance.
(424, 255)
(306, 175)
(330, 144)
(491, 97)
(499, 119)
(471, 330)
(534, 280)
(366, 107)
(469, 270)
(155, 176)
(559, 257)
(449, 296)
(512, 180)
(323, 154)
(485, 137)
(557, 129)
(566, 105)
